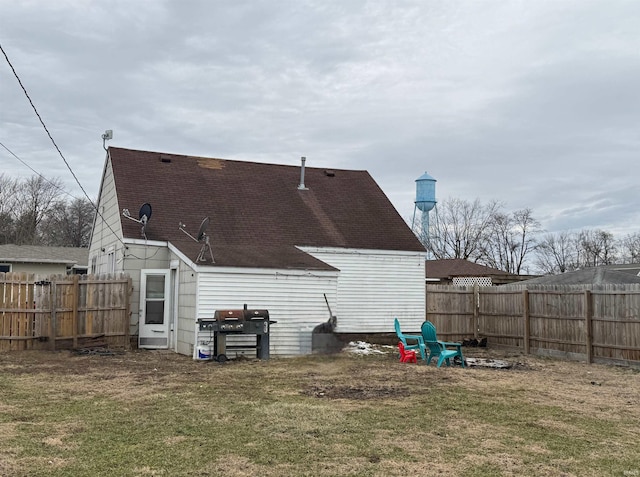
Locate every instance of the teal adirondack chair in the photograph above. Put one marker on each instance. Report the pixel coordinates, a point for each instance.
(438, 349)
(416, 341)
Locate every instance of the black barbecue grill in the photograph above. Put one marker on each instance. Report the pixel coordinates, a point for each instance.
(212, 332)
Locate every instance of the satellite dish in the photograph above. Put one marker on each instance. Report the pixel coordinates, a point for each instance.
(203, 229)
(201, 237)
(143, 216)
(145, 213)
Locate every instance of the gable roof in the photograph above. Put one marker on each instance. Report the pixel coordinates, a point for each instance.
(459, 267)
(41, 254)
(257, 214)
(586, 276)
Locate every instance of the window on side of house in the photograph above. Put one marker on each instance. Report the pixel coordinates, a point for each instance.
(111, 261)
(5, 267)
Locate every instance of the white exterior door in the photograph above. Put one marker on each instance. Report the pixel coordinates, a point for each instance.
(155, 309)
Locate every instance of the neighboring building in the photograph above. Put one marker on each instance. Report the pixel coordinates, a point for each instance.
(457, 271)
(283, 238)
(587, 276)
(632, 268)
(43, 260)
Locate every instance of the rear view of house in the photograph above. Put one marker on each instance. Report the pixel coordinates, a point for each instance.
(198, 234)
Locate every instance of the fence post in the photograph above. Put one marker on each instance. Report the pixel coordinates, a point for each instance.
(527, 320)
(53, 322)
(127, 313)
(74, 310)
(476, 309)
(588, 315)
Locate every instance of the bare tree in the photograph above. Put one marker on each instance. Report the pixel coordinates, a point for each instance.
(629, 247)
(511, 240)
(68, 224)
(597, 247)
(36, 197)
(459, 229)
(557, 252)
(7, 205)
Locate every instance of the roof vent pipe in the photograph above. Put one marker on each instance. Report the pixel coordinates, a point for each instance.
(301, 185)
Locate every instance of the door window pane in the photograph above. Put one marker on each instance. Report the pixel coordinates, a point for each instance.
(155, 286)
(154, 314)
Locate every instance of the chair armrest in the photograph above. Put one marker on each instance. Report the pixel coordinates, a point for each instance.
(449, 343)
(439, 343)
(442, 345)
(417, 338)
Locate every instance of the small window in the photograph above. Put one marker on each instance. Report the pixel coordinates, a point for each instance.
(94, 261)
(111, 262)
(5, 267)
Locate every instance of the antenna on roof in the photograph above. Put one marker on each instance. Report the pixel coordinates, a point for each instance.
(108, 135)
(144, 214)
(203, 238)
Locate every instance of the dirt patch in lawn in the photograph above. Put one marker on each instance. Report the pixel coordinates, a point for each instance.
(356, 392)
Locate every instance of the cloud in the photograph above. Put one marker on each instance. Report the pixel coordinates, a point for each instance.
(530, 103)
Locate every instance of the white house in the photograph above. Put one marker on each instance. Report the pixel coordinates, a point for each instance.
(273, 237)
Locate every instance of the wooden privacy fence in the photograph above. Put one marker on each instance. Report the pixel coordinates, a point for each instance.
(596, 323)
(63, 311)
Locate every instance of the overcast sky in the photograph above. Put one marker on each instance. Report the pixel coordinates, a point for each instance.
(532, 103)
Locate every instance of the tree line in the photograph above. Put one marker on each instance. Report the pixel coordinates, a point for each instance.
(515, 242)
(37, 211)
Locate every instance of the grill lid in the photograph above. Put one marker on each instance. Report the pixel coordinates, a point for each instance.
(240, 315)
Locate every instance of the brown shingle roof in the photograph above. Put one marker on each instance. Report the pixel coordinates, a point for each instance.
(257, 214)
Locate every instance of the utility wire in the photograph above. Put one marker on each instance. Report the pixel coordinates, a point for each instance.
(95, 206)
(38, 174)
(42, 122)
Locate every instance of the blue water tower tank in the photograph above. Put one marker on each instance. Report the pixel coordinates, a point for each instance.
(425, 192)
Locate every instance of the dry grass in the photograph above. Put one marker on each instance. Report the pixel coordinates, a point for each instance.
(161, 414)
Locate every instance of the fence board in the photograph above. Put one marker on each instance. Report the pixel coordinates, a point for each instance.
(63, 310)
(596, 322)
(451, 310)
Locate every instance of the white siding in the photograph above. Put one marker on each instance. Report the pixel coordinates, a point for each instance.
(185, 326)
(294, 299)
(107, 233)
(374, 286)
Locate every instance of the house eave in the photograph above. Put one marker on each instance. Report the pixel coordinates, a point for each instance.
(68, 263)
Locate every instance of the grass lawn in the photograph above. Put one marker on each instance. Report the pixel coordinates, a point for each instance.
(149, 413)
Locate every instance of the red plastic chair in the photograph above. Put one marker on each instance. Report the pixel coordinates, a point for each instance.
(407, 356)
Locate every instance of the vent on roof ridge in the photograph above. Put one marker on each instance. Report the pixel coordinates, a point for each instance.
(329, 172)
(165, 159)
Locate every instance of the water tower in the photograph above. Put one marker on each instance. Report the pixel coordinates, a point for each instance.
(425, 201)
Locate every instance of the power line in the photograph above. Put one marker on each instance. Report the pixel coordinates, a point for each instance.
(43, 124)
(95, 206)
(38, 174)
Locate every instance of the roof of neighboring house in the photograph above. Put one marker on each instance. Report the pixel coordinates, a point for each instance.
(40, 254)
(586, 276)
(458, 267)
(257, 213)
(632, 268)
